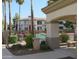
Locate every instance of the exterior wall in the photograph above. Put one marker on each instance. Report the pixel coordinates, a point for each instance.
(52, 35)
(52, 30)
(43, 26)
(68, 10)
(23, 24)
(27, 22)
(35, 23)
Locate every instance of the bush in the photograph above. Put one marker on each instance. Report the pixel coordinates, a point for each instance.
(29, 41)
(64, 37)
(13, 39)
(43, 45)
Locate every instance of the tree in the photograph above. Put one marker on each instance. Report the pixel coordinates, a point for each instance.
(69, 25)
(4, 11)
(15, 21)
(10, 25)
(20, 2)
(32, 18)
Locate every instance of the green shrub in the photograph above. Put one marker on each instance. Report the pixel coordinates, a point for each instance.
(64, 37)
(29, 41)
(13, 39)
(43, 45)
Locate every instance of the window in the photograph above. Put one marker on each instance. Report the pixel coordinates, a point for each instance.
(39, 28)
(60, 27)
(24, 22)
(45, 29)
(61, 22)
(39, 22)
(26, 28)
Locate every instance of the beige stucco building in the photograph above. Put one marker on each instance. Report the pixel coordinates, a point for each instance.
(39, 25)
(55, 11)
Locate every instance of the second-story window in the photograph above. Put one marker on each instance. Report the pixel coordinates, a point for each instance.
(39, 22)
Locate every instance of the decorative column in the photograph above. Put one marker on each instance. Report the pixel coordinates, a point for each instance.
(52, 35)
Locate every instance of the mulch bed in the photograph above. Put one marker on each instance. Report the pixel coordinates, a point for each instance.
(22, 50)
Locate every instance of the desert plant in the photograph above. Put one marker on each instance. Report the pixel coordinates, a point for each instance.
(13, 39)
(29, 41)
(64, 37)
(43, 45)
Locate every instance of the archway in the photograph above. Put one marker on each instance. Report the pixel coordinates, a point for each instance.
(53, 29)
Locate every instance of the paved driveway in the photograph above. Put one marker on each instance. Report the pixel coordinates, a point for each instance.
(57, 53)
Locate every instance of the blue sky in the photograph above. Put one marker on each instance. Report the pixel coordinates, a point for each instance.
(25, 8)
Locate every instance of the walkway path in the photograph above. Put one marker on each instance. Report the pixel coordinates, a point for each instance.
(57, 53)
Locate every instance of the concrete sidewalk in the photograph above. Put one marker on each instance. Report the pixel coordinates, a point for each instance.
(57, 53)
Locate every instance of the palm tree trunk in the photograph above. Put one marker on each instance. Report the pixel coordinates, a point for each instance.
(3, 7)
(10, 19)
(5, 15)
(32, 18)
(19, 10)
(5, 22)
(10, 28)
(19, 16)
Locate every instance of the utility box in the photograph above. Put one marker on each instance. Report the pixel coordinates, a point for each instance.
(36, 43)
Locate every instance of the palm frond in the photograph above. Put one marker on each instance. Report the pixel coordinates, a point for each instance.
(20, 2)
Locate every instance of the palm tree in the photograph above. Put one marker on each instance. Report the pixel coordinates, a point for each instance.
(2, 25)
(16, 18)
(32, 18)
(4, 11)
(10, 27)
(20, 2)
